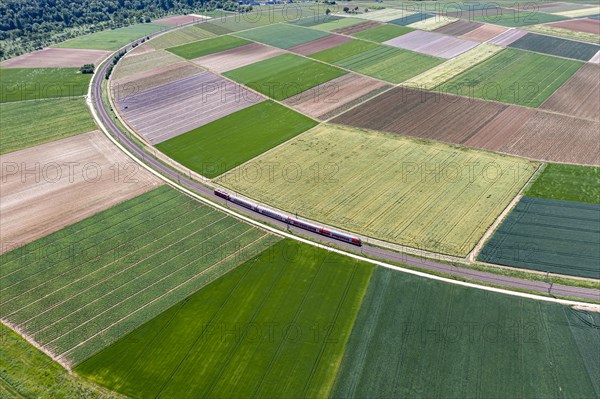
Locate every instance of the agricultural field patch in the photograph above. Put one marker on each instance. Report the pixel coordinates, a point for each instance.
(180, 36)
(316, 19)
(506, 38)
(321, 44)
(20, 84)
(208, 46)
(237, 57)
(84, 174)
(284, 76)
(230, 141)
(566, 33)
(167, 111)
(141, 49)
(386, 15)
(55, 119)
(56, 58)
(260, 16)
(567, 182)
(218, 28)
(411, 19)
(430, 24)
(484, 33)
(596, 59)
(338, 24)
(383, 33)
(181, 19)
(585, 25)
(514, 76)
(393, 199)
(556, 46)
(132, 262)
(556, 7)
(578, 96)
(516, 18)
(549, 236)
(289, 284)
(131, 65)
(459, 28)
(343, 51)
(418, 337)
(433, 44)
(283, 35)
(582, 12)
(112, 39)
(361, 26)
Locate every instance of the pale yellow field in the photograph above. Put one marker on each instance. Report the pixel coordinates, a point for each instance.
(131, 65)
(432, 23)
(443, 72)
(566, 33)
(579, 13)
(385, 15)
(429, 196)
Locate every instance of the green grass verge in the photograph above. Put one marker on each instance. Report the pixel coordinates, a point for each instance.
(113, 39)
(221, 145)
(567, 182)
(417, 337)
(274, 327)
(519, 18)
(382, 33)
(514, 76)
(283, 35)
(20, 84)
(343, 51)
(284, 76)
(209, 46)
(54, 119)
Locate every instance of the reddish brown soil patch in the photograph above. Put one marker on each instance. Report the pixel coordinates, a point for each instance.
(320, 44)
(238, 57)
(484, 33)
(350, 30)
(458, 28)
(56, 58)
(586, 25)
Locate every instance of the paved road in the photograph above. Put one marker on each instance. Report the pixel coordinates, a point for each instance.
(383, 254)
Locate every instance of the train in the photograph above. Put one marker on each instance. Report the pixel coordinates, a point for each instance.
(289, 220)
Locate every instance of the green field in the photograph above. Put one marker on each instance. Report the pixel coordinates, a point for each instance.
(382, 33)
(221, 145)
(343, 51)
(284, 76)
(112, 39)
(567, 182)
(516, 18)
(180, 36)
(282, 35)
(514, 76)
(131, 65)
(275, 327)
(106, 275)
(25, 372)
(209, 46)
(424, 195)
(20, 84)
(54, 119)
(260, 16)
(420, 338)
(389, 63)
(338, 24)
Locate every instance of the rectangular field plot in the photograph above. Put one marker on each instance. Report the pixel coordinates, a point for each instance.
(134, 64)
(341, 23)
(433, 44)
(105, 276)
(321, 44)
(550, 236)
(343, 51)
(180, 36)
(556, 46)
(584, 25)
(176, 356)
(284, 76)
(225, 143)
(484, 33)
(282, 35)
(552, 30)
(237, 57)
(382, 33)
(516, 18)
(507, 37)
(112, 39)
(459, 28)
(386, 187)
(167, 111)
(21, 84)
(514, 76)
(386, 15)
(411, 19)
(56, 58)
(421, 338)
(360, 27)
(567, 182)
(209, 46)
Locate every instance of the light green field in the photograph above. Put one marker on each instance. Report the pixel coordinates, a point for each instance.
(21, 84)
(424, 195)
(180, 36)
(443, 72)
(514, 76)
(54, 119)
(566, 33)
(283, 35)
(131, 65)
(568, 183)
(343, 51)
(112, 39)
(275, 327)
(338, 23)
(383, 33)
(519, 18)
(209, 46)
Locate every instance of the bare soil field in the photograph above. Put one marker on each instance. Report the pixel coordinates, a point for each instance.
(595, 59)
(434, 44)
(578, 96)
(484, 33)
(586, 25)
(180, 19)
(321, 44)
(237, 57)
(458, 28)
(508, 37)
(66, 181)
(140, 50)
(132, 65)
(350, 30)
(323, 99)
(56, 58)
(169, 110)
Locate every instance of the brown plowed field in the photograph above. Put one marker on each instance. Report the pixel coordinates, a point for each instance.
(323, 99)
(580, 95)
(320, 44)
(56, 58)
(458, 28)
(459, 120)
(70, 179)
(237, 57)
(586, 25)
(179, 20)
(350, 30)
(484, 33)
(142, 49)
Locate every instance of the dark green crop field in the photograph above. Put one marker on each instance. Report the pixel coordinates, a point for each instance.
(567, 182)
(556, 46)
(112, 39)
(421, 338)
(275, 327)
(20, 84)
(283, 35)
(221, 145)
(549, 236)
(343, 51)
(382, 33)
(209, 46)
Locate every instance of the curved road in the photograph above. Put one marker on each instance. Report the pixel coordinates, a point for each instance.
(380, 253)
